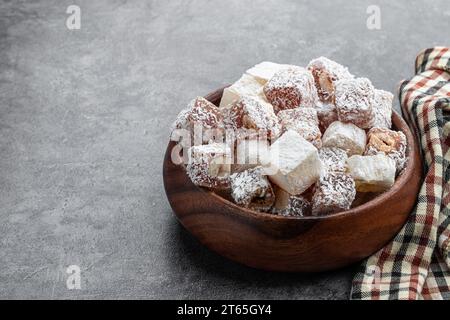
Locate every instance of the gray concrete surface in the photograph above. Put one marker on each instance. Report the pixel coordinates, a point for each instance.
(84, 118)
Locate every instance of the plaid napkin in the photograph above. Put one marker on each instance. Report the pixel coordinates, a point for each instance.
(416, 263)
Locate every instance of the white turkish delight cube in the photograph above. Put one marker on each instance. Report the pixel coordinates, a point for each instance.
(265, 70)
(372, 173)
(294, 163)
(247, 85)
(345, 136)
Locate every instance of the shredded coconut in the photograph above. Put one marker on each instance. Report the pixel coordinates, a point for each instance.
(209, 165)
(334, 192)
(250, 113)
(353, 101)
(333, 159)
(291, 88)
(382, 109)
(251, 189)
(304, 121)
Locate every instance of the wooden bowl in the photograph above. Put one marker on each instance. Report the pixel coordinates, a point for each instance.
(277, 243)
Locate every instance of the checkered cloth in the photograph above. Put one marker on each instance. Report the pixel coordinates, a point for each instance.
(416, 263)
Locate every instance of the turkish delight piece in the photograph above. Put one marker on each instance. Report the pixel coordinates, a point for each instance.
(304, 121)
(247, 85)
(326, 72)
(254, 114)
(210, 165)
(345, 136)
(199, 111)
(327, 114)
(334, 192)
(289, 205)
(333, 159)
(265, 70)
(251, 189)
(250, 153)
(291, 88)
(199, 120)
(382, 109)
(372, 173)
(294, 163)
(354, 101)
(389, 142)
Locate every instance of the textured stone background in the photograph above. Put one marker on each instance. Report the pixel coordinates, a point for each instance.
(84, 119)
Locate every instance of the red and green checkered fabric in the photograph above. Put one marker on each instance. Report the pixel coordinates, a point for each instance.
(416, 263)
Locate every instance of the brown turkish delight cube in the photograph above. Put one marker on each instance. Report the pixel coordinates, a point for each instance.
(291, 88)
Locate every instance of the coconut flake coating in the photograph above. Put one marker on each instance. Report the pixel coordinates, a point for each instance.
(335, 192)
(389, 142)
(252, 189)
(326, 72)
(252, 113)
(205, 113)
(297, 206)
(327, 114)
(382, 109)
(202, 114)
(354, 101)
(210, 165)
(291, 88)
(333, 159)
(304, 121)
